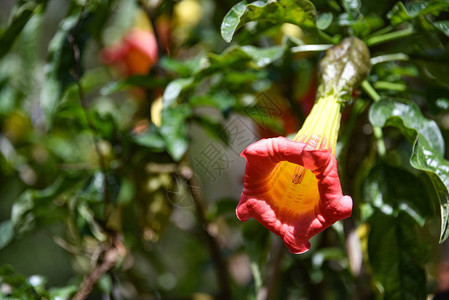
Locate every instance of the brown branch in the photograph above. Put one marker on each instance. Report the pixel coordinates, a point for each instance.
(214, 248)
(111, 256)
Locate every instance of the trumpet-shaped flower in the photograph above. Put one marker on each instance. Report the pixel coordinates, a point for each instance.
(292, 186)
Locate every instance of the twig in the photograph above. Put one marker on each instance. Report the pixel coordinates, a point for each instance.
(76, 74)
(214, 249)
(272, 282)
(375, 40)
(376, 129)
(111, 255)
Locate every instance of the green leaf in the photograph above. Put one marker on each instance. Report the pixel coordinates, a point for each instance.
(442, 26)
(61, 62)
(33, 205)
(393, 191)
(225, 206)
(352, 7)
(174, 89)
(299, 12)
(23, 11)
(63, 293)
(174, 129)
(143, 81)
(234, 56)
(213, 127)
(324, 20)
(256, 241)
(6, 233)
(66, 51)
(221, 100)
(437, 97)
(183, 68)
(150, 139)
(428, 146)
(395, 255)
(400, 13)
(344, 67)
(22, 217)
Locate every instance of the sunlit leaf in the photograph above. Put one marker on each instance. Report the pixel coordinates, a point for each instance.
(352, 7)
(174, 89)
(402, 13)
(151, 139)
(442, 26)
(428, 146)
(324, 20)
(299, 12)
(174, 130)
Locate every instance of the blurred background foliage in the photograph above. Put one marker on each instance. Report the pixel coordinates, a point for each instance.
(122, 123)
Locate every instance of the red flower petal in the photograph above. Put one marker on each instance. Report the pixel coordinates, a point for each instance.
(293, 226)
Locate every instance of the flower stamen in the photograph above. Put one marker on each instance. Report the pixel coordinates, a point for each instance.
(298, 174)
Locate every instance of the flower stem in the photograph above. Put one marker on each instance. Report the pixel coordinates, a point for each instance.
(376, 129)
(375, 40)
(385, 85)
(370, 91)
(388, 57)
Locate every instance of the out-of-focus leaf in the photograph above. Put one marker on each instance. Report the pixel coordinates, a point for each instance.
(127, 192)
(21, 213)
(392, 191)
(174, 129)
(63, 293)
(344, 67)
(402, 13)
(395, 257)
(222, 207)
(256, 241)
(324, 20)
(22, 13)
(150, 139)
(234, 56)
(437, 98)
(213, 127)
(21, 287)
(174, 89)
(6, 233)
(299, 12)
(142, 81)
(66, 51)
(323, 255)
(361, 26)
(86, 216)
(61, 62)
(220, 100)
(428, 146)
(183, 68)
(352, 7)
(442, 26)
(36, 204)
